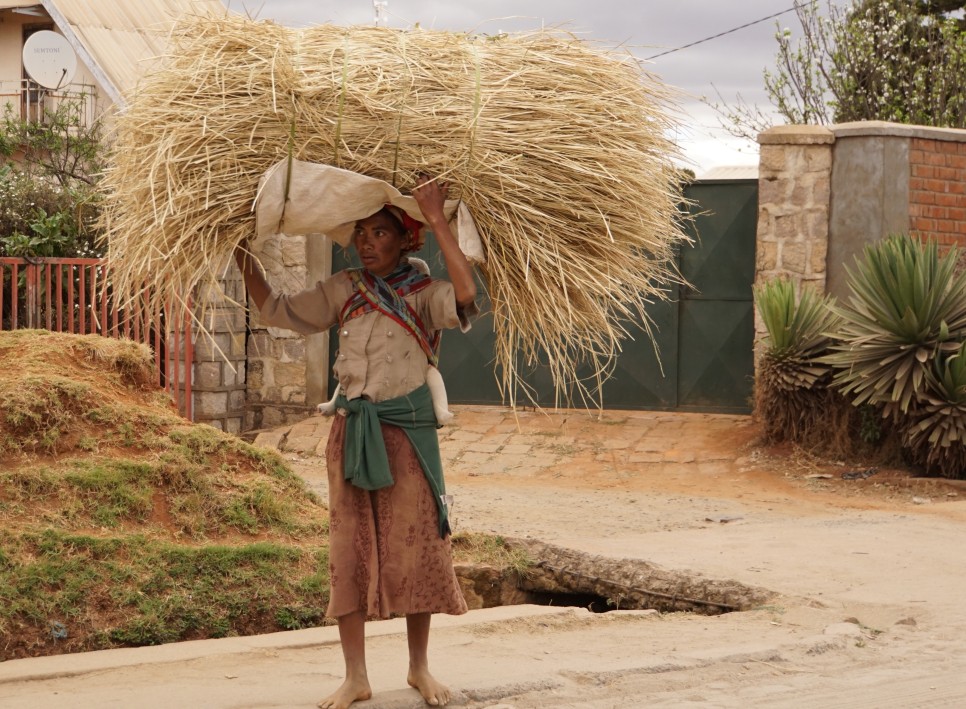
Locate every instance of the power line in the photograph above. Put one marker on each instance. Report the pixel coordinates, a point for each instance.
(722, 34)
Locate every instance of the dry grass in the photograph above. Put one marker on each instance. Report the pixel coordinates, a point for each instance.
(557, 147)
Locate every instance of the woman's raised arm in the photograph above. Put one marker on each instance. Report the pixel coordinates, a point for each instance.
(255, 282)
(430, 195)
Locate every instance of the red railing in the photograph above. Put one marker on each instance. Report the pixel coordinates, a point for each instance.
(75, 295)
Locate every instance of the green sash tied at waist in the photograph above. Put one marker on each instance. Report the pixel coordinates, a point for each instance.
(366, 461)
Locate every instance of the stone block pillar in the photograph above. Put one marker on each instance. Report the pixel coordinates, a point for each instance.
(218, 381)
(794, 199)
(793, 204)
(287, 372)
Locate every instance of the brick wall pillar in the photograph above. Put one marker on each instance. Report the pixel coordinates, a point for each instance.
(937, 187)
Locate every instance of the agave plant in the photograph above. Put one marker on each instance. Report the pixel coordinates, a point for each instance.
(791, 380)
(937, 435)
(907, 310)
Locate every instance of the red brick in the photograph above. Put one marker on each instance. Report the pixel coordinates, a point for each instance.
(956, 161)
(957, 187)
(935, 185)
(950, 240)
(924, 171)
(947, 173)
(947, 199)
(937, 159)
(923, 224)
(934, 212)
(957, 214)
(923, 197)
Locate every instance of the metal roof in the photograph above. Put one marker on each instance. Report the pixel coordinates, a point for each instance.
(118, 39)
(731, 172)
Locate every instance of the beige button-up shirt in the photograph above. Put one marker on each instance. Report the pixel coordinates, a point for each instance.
(377, 358)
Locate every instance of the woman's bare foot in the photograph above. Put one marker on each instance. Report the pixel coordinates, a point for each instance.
(350, 691)
(433, 692)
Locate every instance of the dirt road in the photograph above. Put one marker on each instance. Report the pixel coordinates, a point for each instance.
(869, 574)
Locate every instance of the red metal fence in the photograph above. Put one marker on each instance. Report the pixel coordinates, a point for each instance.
(75, 295)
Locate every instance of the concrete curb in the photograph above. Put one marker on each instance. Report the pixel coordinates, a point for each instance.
(81, 663)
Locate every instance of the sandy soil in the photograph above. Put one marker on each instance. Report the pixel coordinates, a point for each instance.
(869, 574)
(870, 570)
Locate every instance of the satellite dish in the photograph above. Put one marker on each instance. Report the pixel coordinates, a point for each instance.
(49, 59)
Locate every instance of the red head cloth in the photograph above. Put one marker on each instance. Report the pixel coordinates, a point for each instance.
(413, 227)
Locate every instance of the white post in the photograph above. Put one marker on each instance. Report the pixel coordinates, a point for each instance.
(382, 12)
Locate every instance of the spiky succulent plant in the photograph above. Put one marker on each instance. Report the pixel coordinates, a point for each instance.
(936, 432)
(907, 309)
(900, 346)
(790, 379)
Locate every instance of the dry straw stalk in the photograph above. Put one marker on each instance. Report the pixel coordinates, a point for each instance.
(558, 148)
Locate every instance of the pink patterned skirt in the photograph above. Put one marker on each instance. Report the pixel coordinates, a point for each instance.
(385, 553)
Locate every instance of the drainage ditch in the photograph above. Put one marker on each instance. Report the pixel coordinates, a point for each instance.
(564, 577)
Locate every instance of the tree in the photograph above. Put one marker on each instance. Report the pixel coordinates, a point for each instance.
(890, 60)
(48, 182)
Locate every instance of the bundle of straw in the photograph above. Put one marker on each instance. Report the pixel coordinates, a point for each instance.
(558, 148)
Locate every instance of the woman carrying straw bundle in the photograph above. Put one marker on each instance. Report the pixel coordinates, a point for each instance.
(390, 548)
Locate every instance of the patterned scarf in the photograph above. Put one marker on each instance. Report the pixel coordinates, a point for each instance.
(387, 297)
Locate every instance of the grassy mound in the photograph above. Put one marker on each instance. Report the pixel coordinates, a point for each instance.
(123, 524)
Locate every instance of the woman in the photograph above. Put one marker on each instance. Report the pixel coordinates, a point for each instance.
(389, 535)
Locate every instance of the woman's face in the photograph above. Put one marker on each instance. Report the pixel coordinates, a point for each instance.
(379, 242)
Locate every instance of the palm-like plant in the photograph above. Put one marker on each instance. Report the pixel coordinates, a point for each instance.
(791, 380)
(907, 309)
(936, 436)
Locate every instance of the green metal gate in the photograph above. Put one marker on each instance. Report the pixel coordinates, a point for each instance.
(704, 334)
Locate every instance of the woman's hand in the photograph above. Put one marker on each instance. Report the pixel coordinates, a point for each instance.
(255, 282)
(430, 195)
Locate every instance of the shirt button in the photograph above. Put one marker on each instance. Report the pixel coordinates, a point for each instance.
(389, 358)
(345, 332)
(389, 334)
(341, 356)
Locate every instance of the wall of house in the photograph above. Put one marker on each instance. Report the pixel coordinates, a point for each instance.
(11, 64)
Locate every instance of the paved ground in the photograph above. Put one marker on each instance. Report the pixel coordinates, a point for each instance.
(869, 577)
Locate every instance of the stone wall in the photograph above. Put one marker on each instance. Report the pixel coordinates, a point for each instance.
(287, 372)
(824, 193)
(794, 195)
(218, 382)
(827, 192)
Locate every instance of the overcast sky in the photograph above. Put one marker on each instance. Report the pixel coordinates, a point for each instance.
(730, 64)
